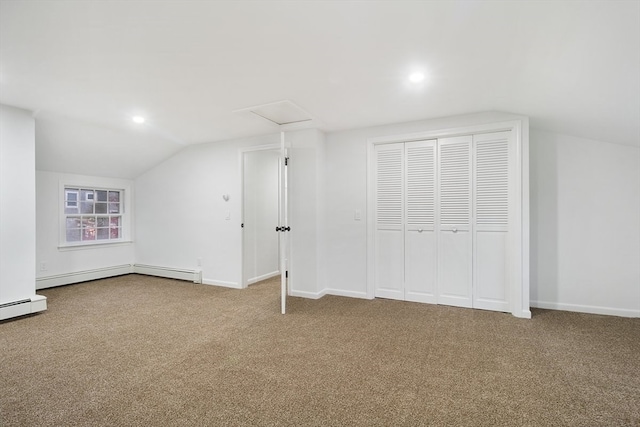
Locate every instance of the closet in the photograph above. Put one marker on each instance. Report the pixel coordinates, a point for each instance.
(444, 212)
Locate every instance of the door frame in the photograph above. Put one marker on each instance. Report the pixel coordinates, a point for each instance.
(518, 271)
(241, 153)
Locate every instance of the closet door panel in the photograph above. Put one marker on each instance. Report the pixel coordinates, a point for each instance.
(454, 269)
(389, 221)
(389, 265)
(454, 225)
(490, 292)
(420, 239)
(420, 266)
(493, 165)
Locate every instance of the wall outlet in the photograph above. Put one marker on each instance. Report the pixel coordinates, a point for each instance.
(43, 266)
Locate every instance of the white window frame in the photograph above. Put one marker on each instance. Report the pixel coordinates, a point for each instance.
(90, 183)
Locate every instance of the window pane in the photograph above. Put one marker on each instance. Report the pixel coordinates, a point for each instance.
(103, 221)
(114, 208)
(71, 194)
(101, 195)
(114, 196)
(103, 233)
(88, 228)
(71, 208)
(73, 222)
(115, 233)
(73, 235)
(86, 195)
(115, 221)
(86, 207)
(101, 208)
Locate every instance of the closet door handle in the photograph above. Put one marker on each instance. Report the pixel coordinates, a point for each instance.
(419, 230)
(454, 229)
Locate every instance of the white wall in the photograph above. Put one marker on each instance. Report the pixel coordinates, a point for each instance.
(58, 265)
(17, 205)
(585, 228)
(181, 215)
(261, 205)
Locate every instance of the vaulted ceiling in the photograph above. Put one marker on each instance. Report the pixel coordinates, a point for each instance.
(86, 67)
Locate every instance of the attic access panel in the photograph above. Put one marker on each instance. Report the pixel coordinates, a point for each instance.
(280, 113)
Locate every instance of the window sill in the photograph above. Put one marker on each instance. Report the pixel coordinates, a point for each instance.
(82, 246)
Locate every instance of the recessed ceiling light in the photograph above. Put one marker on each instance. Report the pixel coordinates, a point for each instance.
(416, 77)
(138, 119)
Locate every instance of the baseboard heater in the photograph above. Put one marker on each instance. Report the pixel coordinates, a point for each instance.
(22, 307)
(82, 276)
(194, 276)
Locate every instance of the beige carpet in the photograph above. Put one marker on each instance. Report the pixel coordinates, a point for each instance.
(143, 351)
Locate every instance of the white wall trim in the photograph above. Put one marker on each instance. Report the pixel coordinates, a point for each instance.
(263, 277)
(609, 311)
(223, 283)
(194, 276)
(343, 293)
(306, 294)
(82, 276)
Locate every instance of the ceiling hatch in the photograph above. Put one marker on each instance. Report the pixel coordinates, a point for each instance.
(280, 112)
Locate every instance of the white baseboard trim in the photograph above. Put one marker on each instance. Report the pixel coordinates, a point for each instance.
(306, 294)
(82, 276)
(263, 277)
(26, 306)
(343, 293)
(609, 311)
(194, 276)
(225, 284)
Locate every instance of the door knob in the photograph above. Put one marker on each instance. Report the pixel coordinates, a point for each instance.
(454, 229)
(419, 230)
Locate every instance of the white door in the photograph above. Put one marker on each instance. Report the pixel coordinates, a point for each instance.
(493, 166)
(454, 225)
(420, 250)
(389, 220)
(284, 229)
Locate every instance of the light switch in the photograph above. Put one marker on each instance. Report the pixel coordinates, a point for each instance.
(357, 216)
(227, 215)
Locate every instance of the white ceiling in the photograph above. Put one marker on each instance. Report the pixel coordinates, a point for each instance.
(85, 67)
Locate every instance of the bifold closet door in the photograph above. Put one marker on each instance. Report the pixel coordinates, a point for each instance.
(493, 166)
(389, 220)
(420, 250)
(454, 227)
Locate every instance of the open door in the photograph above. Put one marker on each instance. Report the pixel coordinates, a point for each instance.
(283, 229)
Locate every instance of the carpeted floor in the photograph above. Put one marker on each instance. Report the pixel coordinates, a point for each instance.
(144, 351)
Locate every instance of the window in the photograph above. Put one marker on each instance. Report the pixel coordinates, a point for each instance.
(93, 215)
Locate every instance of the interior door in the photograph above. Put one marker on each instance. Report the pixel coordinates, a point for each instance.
(454, 227)
(420, 232)
(389, 220)
(284, 228)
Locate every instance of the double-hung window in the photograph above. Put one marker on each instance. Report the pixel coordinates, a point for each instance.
(93, 215)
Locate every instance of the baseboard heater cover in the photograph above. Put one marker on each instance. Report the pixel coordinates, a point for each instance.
(23, 307)
(194, 276)
(83, 276)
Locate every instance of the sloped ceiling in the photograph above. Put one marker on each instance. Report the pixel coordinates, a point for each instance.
(85, 67)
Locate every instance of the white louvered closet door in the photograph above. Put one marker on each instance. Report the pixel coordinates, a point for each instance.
(454, 225)
(389, 220)
(420, 233)
(493, 163)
